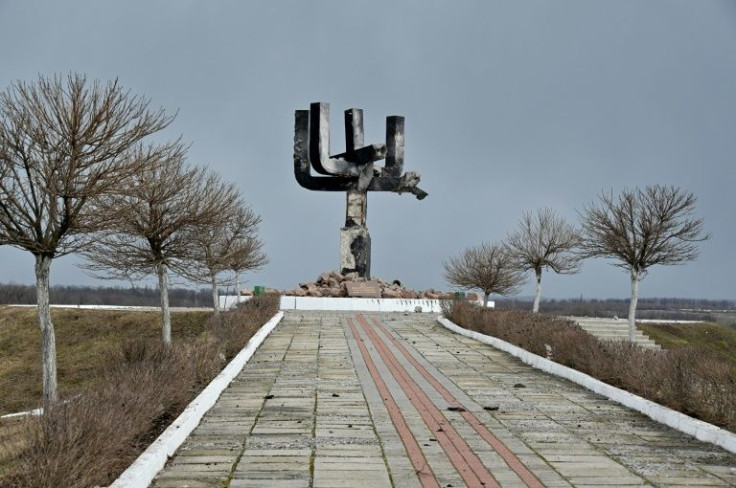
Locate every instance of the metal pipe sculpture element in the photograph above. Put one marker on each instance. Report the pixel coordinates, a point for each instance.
(353, 172)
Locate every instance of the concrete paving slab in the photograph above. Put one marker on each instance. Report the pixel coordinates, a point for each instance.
(306, 411)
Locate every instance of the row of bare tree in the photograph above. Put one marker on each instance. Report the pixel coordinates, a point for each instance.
(78, 175)
(637, 229)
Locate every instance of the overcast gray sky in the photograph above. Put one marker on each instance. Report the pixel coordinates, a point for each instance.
(509, 106)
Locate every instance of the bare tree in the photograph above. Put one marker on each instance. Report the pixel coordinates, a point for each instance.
(61, 139)
(642, 228)
(153, 218)
(228, 243)
(544, 240)
(488, 267)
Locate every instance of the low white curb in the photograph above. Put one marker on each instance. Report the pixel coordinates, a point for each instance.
(153, 459)
(37, 411)
(700, 430)
(351, 304)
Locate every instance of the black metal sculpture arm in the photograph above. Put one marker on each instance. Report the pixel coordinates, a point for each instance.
(353, 169)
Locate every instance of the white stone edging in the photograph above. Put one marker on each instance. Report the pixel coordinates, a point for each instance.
(353, 304)
(153, 459)
(702, 431)
(34, 412)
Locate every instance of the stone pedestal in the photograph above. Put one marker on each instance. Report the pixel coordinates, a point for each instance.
(355, 251)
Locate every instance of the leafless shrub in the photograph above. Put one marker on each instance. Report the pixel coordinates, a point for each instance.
(696, 382)
(234, 329)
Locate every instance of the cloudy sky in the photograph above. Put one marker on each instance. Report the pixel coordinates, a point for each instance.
(509, 106)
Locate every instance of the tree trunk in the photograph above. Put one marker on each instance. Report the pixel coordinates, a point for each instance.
(237, 284)
(163, 289)
(48, 338)
(632, 304)
(485, 299)
(215, 295)
(535, 309)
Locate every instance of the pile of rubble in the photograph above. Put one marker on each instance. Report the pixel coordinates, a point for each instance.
(334, 284)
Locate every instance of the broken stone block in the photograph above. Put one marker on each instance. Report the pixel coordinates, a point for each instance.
(390, 293)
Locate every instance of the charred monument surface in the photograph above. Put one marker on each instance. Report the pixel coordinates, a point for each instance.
(353, 172)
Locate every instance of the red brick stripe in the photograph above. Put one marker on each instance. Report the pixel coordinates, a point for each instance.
(461, 455)
(510, 458)
(416, 456)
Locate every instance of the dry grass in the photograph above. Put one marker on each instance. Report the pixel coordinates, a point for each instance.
(84, 339)
(696, 381)
(719, 338)
(139, 387)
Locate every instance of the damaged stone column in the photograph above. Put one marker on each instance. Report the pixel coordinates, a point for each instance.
(355, 241)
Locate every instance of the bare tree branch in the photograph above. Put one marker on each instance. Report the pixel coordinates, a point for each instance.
(62, 141)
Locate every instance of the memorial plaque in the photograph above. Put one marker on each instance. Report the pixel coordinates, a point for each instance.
(363, 289)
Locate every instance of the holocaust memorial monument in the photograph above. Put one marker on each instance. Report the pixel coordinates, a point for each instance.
(354, 172)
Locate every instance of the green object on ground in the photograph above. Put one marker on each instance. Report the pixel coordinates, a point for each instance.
(259, 290)
(459, 295)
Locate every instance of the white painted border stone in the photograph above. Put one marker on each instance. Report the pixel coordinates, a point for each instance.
(153, 459)
(36, 411)
(348, 304)
(700, 430)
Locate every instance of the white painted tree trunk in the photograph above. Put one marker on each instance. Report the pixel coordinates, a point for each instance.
(538, 296)
(485, 299)
(215, 295)
(48, 338)
(632, 304)
(163, 289)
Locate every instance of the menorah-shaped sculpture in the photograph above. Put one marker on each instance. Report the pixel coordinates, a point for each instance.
(353, 171)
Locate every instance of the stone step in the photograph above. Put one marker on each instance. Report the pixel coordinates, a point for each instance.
(615, 330)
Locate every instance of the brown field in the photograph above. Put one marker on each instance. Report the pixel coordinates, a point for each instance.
(84, 342)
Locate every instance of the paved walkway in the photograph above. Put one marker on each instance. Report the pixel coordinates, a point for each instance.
(378, 400)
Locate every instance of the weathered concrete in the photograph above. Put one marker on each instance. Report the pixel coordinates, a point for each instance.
(307, 411)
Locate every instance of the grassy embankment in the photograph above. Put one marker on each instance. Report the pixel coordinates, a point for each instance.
(716, 338)
(123, 387)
